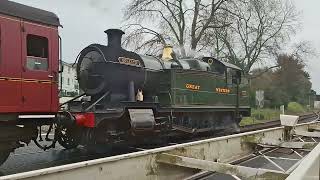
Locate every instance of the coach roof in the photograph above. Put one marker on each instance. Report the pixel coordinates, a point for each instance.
(28, 13)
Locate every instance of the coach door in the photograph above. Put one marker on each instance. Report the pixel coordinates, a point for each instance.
(10, 66)
(36, 72)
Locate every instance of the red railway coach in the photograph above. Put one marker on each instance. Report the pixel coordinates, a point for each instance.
(29, 63)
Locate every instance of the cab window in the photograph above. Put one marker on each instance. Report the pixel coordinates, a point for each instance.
(37, 53)
(232, 76)
(229, 74)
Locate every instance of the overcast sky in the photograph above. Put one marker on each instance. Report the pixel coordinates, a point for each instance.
(85, 20)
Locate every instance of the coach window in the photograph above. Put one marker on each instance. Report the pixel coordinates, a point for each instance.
(37, 53)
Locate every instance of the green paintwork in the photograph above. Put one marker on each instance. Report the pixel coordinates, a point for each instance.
(174, 93)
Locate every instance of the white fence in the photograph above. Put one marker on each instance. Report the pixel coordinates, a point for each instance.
(183, 160)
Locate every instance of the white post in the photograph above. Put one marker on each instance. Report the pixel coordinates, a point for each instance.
(282, 109)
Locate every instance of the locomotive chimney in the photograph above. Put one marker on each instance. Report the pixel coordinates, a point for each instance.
(114, 37)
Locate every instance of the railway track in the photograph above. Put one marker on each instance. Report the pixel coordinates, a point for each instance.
(66, 157)
(207, 175)
(252, 160)
(302, 119)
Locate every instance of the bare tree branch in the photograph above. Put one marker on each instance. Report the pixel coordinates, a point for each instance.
(243, 32)
(257, 26)
(183, 22)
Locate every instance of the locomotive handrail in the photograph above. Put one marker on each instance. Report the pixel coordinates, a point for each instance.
(104, 58)
(100, 53)
(98, 100)
(72, 99)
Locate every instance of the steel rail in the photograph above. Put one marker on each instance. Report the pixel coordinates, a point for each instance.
(303, 118)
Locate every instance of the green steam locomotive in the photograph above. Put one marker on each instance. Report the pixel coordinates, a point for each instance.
(128, 97)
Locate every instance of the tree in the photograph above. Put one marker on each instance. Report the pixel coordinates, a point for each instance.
(289, 82)
(243, 32)
(185, 23)
(293, 78)
(258, 30)
(301, 51)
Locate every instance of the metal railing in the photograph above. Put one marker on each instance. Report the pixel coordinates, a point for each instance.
(184, 160)
(309, 167)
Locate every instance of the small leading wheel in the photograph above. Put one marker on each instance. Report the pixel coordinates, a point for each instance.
(66, 138)
(4, 154)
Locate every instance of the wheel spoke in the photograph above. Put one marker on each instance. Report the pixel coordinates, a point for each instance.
(66, 139)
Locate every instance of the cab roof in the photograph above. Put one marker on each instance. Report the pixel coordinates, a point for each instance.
(28, 13)
(229, 65)
(223, 63)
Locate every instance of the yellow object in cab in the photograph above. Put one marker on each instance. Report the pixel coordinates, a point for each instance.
(167, 53)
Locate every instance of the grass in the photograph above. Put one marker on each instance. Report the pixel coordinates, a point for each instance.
(260, 116)
(265, 115)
